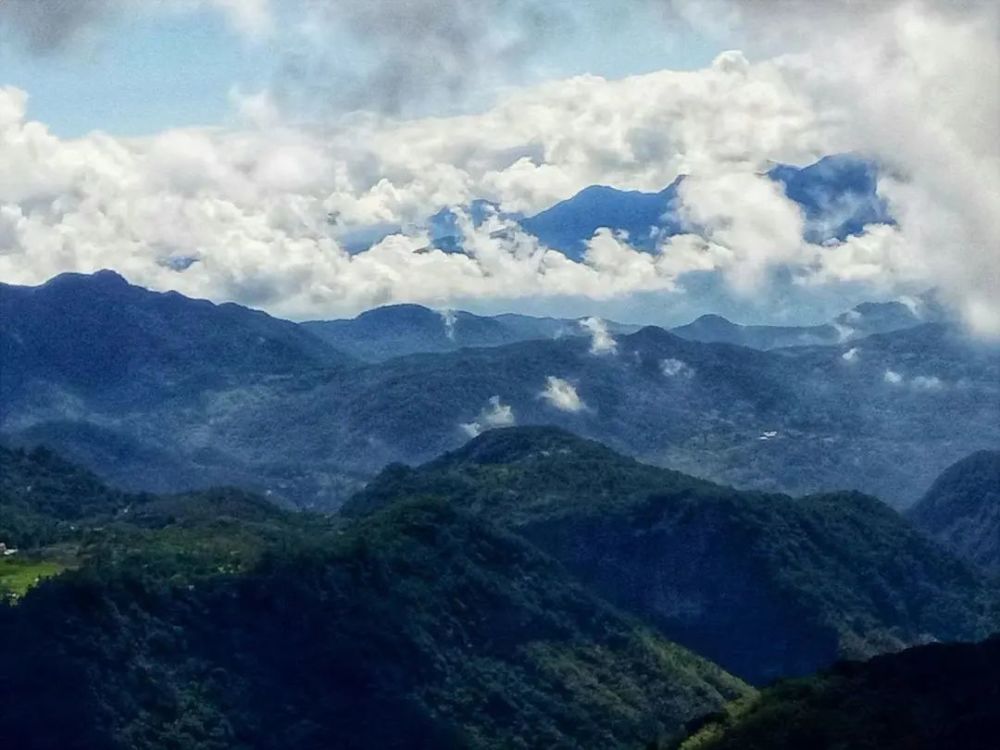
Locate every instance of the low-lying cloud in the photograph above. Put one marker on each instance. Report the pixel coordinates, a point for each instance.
(601, 340)
(494, 414)
(562, 395)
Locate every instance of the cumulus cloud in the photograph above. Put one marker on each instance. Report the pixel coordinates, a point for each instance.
(263, 209)
(562, 395)
(924, 99)
(750, 218)
(494, 414)
(601, 341)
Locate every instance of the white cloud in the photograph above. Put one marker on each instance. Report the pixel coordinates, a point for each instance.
(748, 215)
(927, 383)
(601, 342)
(673, 368)
(253, 204)
(562, 395)
(494, 414)
(448, 319)
(917, 382)
(892, 377)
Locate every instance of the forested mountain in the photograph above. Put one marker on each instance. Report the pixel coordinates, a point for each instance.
(476, 601)
(962, 509)
(176, 406)
(400, 330)
(99, 337)
(925, 698)
(765, 585)
(218, 621)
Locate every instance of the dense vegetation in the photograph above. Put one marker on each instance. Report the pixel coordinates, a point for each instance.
(765, 585)
(925, 698)
(41, 496)
(218, 621)
(962, 510)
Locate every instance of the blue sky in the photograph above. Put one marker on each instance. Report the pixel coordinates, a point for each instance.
(150, 71)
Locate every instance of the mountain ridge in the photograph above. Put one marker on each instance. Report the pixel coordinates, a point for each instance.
(962, 509)
(765, 585)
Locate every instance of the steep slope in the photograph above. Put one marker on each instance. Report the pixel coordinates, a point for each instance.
(962, 510)
(218, 621)
(766, 585)
(925, 698)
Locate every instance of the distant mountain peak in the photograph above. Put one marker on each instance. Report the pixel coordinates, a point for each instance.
(715, 320)
(105, 278)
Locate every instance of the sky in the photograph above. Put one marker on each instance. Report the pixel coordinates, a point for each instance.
(203, 145)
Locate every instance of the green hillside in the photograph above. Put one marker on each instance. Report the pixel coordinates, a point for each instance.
(217, 621)
(766, 585)
(925, 698)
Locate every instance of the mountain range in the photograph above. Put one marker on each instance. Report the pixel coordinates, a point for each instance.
(764, 585)
(162, 393)
(838, 197)
(530, 589)
(399, 330)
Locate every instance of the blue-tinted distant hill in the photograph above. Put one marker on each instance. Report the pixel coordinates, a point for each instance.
(883, 414)
(863, 320)
(838, 196)
(400, 330)
(645, 217)
(99, 335)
